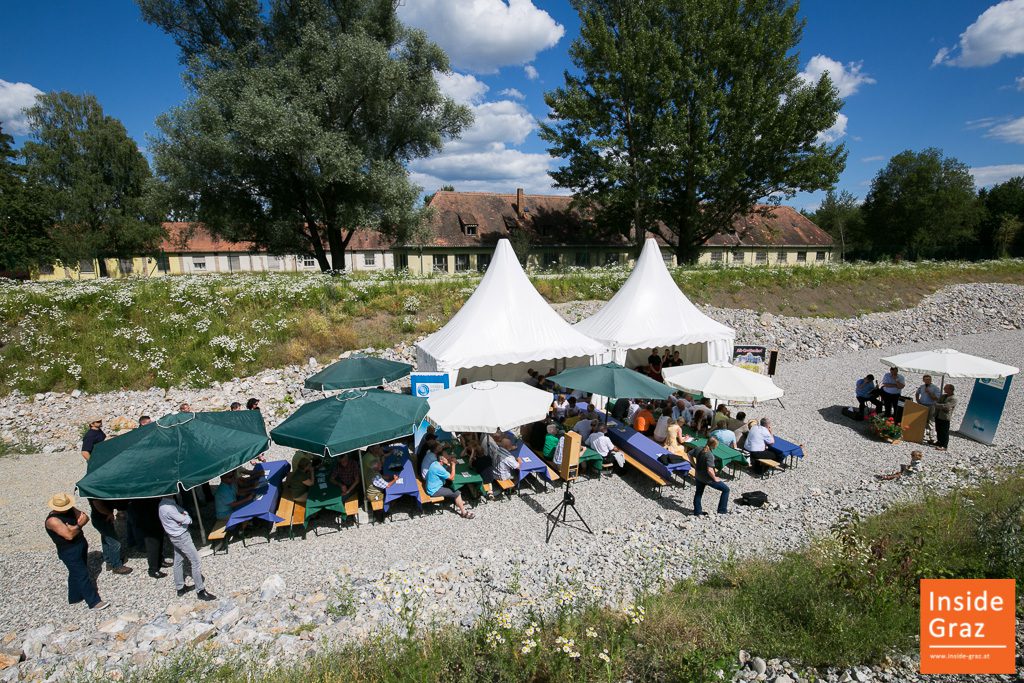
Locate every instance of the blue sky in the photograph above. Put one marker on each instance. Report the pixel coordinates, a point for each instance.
(949, 76)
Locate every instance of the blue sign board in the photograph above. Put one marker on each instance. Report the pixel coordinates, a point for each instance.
(985, 408)
(423, 383)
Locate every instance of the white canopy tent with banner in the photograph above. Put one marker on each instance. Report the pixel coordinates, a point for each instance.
(650, 311)
(505, 328)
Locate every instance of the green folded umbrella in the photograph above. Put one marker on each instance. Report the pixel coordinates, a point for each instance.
(186, 449)
(611, 379)
(358, 372)
(350, 420)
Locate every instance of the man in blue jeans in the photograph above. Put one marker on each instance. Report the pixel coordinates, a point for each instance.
(706, 475)
(103, 522)
(64, 525)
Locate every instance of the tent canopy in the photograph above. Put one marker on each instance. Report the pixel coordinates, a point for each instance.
(650, 311)
(505, 321)
(950, 363)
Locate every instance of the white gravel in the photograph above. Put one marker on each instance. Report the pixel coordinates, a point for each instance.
(637, 535)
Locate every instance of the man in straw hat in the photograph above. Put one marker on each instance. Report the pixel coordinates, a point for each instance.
(64, 525)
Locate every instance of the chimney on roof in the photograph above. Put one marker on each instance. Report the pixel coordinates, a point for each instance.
(520, 207)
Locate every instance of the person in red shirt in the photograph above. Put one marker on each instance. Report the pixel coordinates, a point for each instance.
(644, 421)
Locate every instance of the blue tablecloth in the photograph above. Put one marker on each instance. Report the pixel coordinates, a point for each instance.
(788, 448)
(643, 450)
(405, 485)
(531, 464)
(265, 495)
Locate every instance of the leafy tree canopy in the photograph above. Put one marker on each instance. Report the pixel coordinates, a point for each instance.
(24, 223)
(839, 216)
(95, 179)
(302, 117)
(1002, 201)
(921, 205)
(685, 113)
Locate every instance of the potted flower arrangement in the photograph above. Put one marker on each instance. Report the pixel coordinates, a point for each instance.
(886, 428)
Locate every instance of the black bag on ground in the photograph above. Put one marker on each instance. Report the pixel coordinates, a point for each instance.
(753, 498)
(671, 459)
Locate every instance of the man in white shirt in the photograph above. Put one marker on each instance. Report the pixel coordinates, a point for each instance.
(584, 427)
(927, 394)
(634, 408)
(892, 386)
(600, 442)
(759, 444)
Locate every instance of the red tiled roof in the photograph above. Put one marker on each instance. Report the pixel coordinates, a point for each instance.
(188, 238)
(553, 221)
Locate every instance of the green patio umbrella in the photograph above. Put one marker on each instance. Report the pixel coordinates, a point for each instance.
(611, 379)
(186, 449)
(358, 372)
(350, 420)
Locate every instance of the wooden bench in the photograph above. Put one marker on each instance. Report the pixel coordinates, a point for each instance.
(291, 513)
(505, 484)
(352, 508)
(219, 530)
(644, 470)
(424, 498)
(376, 505)
(769, 465)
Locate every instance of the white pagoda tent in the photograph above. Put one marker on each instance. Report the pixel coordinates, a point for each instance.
(505, 328)
(650, 312)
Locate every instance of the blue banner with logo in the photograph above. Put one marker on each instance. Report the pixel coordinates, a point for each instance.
(423, 383)
(985, 408)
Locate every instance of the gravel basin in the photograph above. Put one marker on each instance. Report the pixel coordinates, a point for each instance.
(267, 589)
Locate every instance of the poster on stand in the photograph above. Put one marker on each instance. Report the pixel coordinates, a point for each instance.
(754, 358)
(985, 408)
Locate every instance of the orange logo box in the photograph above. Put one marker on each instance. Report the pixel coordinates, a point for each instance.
(967, 626)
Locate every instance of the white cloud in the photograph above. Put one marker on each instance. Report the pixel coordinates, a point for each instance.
(518, 95)
(462, 88)
(1019, 82)
(835, 132)
(846, 78)
(497, 122)
(484, 35)
(1011, 131)
(872, 159)
(531, 72)
(15, 98)
(997, 33)
(986, 176)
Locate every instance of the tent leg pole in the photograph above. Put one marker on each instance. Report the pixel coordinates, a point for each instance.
(199, 515)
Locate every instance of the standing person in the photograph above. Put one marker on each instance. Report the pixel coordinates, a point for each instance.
(64, 525)
(235, 405)
(144, 513)
(252, 404)
(176, 523)
(867, 392)
(944, 408)
(103, 522)
(892, 386)
(706, 475)
(185, 408)
(93, 436)
(144, 420)
(927, 395)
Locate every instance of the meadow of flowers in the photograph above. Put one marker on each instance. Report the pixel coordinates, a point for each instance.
(101, 335)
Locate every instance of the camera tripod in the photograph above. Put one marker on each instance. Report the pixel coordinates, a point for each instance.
(557, 515)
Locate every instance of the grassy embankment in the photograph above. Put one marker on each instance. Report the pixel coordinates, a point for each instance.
(850, 598)
(137, 333)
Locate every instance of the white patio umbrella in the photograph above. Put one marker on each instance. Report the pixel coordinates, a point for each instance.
(722, 382)
(487, 405)
(950, 363)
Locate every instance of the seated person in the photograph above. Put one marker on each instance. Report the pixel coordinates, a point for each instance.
(227, 497)
(735, 423)
(345, 474)
(600, 442)
(675, 441)
(438, 475)
(867, 391)
(724, 434)
(426, 443)
(572, 420)
(551, 441)
(430, 457)
(700, 423)
(704, 407)
(479, 459)
(559, 407)
(661, 428)
(585, 425)
(394, 458)
(916, 465)
(507, 465)
(759, 444)
(643, 421)
(620, 411)
(372, 465)
(296, 487)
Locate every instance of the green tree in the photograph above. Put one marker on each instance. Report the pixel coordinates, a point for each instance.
(24, 223)
(999, 201)
(94, 177)
(921, 205)
(839, 216)
(685, 113)
(301, 119)
(1005, 235)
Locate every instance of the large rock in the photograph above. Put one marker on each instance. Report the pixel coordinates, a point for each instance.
(228, 619)
(272, 587)
(196, 632)
(35, 639)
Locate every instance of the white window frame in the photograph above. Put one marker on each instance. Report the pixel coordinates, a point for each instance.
(801, 257)
(370, 259)
(199, 263)
(308, 261)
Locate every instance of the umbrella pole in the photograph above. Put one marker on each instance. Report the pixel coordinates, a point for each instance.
(202, 529)
(362, 478)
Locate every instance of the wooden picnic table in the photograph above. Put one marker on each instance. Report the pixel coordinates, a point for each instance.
(466, 476)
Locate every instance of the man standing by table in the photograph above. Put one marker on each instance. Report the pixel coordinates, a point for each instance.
(93, 436)
(944, 408)
(892, 386)
(928, 395)
(707, 476)
(103, 522)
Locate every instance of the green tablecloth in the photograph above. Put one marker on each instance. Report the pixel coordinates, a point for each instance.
(466, 475)
(590, 456)
(724, 455)
(323, 495)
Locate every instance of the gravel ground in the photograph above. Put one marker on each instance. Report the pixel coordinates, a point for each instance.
(636, 533)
